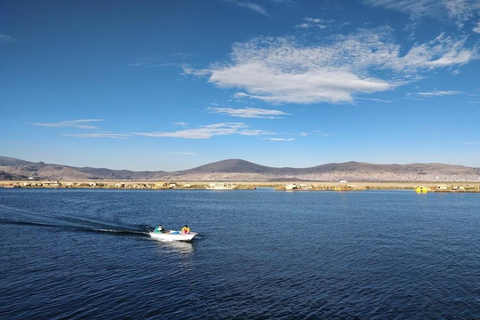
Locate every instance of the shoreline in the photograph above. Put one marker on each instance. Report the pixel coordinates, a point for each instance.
(452, 186)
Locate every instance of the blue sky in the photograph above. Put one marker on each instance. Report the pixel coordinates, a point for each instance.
(170, 85)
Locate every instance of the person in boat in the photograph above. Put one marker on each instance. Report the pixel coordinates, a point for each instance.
(185, 229)
(160, 229)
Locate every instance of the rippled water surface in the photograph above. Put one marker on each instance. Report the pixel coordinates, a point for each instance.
(260, 254)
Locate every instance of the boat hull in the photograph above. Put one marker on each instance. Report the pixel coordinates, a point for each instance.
(173, 236)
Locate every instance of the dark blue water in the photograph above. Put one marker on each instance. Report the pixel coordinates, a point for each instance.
(84, 254)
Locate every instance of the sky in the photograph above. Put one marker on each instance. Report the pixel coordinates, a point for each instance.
(172, 85)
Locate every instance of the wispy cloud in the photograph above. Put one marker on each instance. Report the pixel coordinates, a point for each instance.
(310, 133)
(99, 135)
(175, 60)
(471, 143)
(80, 124)
(323, 134)
(376, 100)
(209, 131)
(476, 28)
(7, 39)
(181, 124)
(458, 11)
(438, 93)
(282, 70)
(183, 153)
(249, 113)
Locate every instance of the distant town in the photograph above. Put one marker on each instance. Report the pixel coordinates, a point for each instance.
(342, 185)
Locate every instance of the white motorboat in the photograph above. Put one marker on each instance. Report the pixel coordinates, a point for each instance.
(173, 235)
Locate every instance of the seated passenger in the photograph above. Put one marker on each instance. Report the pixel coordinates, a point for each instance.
(185, 229)
(159, 229)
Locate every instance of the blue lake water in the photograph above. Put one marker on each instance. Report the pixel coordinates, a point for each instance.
(262, 254)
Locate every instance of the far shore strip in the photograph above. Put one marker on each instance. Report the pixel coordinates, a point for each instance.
(438, 186)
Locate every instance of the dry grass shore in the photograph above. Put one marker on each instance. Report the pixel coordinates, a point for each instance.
(453, 186)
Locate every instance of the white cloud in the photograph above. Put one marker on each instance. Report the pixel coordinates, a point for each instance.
(438, 93)
(99, 135)
(209, 131)
(249, 112)
(278, 85)
(81, 124)
(281, 70)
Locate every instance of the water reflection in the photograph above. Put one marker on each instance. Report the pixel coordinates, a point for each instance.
(184, 248)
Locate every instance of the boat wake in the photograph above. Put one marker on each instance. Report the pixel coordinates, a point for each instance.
(27, 218)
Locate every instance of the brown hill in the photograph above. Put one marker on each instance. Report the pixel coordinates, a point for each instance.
(240, 170)
(41, 170)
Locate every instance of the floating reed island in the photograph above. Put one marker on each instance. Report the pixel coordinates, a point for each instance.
(280, 186)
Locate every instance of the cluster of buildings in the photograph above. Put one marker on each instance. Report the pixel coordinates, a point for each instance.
(338, 186)
(92, 184)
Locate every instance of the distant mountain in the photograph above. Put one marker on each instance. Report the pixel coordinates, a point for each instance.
(241, 170)
(232, 166)
(41, 170)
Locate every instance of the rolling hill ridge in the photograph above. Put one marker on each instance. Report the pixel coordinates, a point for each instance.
(241, 170)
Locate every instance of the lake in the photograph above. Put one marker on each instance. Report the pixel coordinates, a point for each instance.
(261, 254)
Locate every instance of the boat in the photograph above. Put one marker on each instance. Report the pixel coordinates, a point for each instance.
(422, 189)
(173, 235)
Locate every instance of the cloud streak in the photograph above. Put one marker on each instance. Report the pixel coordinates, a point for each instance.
(249, 112)
(153, 62)
(439, 93)
(99, 135)
(250, 5)
(280, 139)
(80, 124)
(208, 131)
